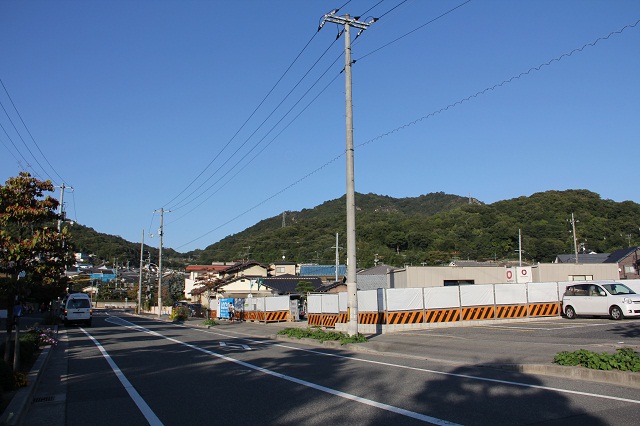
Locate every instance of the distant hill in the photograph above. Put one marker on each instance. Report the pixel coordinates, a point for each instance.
(108, 248)
(436, 228)
(431, 229)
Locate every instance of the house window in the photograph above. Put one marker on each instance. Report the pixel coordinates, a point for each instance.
(580, 278)
(280, 269)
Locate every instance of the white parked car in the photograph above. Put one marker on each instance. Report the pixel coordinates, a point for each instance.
(606, 298)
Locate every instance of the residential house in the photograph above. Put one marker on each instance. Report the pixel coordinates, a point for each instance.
(627, 260)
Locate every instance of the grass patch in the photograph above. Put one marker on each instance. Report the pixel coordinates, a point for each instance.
(210, 322)
(625, 359)
(321, 335)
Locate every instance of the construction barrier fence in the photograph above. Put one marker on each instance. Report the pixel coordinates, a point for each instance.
(439, 304)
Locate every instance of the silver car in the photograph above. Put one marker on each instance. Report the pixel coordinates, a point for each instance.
(605, 298)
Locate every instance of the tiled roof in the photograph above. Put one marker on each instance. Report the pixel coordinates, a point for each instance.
(286, 284)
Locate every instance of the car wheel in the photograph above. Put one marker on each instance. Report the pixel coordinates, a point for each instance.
(570, 312)
(616, 313)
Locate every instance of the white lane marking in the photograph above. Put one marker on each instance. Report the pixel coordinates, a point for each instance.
(391, 408)
(424, 370)
(133, 393)
(560, 327)
(235, 345)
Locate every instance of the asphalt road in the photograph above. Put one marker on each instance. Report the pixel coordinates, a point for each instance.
(128, 370)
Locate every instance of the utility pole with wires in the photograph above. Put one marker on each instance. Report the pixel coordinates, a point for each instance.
(337, 256)
(61, 206)
(160, 233)
(352, 289)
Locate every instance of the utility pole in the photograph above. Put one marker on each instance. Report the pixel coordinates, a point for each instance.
(337, 256)
(352, 289)
(575, 239)
(140, 280)
(160, 233)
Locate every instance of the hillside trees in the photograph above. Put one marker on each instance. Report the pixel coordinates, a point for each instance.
(32, 250)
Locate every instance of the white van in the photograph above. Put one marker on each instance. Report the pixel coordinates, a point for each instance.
(606, 298)
(76, 308)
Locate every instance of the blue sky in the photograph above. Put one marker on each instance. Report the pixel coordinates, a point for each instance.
(141, 105)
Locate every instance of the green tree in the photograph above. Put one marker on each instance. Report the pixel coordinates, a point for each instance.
(32, 250)
(303, 288)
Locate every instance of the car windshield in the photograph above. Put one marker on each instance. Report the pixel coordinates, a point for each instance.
(618, 289)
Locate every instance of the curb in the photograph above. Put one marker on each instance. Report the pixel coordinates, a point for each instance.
(17, 408)
(619, 378)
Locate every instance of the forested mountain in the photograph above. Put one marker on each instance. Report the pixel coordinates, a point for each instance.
(436, 228)
(109, 248)
(430, 229)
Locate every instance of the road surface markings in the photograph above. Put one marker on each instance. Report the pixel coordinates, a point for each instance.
(235, 345)
(133, 393)
(391, 408)
(444, 373)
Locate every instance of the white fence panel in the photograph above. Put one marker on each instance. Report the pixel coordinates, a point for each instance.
(510, 294)
(250, 304)
(343, 301)
(442, 297)
(544, 292)
(476, 295)
(330, 303)
(277, 303)
(260, 304)
(314, 304)
(404, 299)
(368, 301)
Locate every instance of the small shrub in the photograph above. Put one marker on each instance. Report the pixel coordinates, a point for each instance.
(181, 313)
(210, 322)
(20, 380)
(624, 359)
(321, 335)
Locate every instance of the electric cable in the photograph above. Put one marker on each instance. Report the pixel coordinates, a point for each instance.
(245, 122)
(29, 132)
(397, 129)
(412, 31)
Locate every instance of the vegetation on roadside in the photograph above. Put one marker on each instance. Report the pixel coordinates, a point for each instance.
(625, 359)
(318, 334)
(180, 313)
(210, 322)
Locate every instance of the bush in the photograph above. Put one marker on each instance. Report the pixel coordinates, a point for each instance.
(181, 313)
(321, 335)
(210, 322)
(625, 359)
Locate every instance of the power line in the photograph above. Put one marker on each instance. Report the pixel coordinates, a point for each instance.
(185, 201)
(397, 129)
(241, 127)
(414, 30)
(29, 132)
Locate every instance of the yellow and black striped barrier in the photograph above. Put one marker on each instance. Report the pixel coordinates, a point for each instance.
(544, 309)
(405, 317)
(276, 316)
(511, 311)
(442, 315)
(478, 313)
(370, 317)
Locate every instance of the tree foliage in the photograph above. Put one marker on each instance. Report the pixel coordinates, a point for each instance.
(436, 228)
(33, 252)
